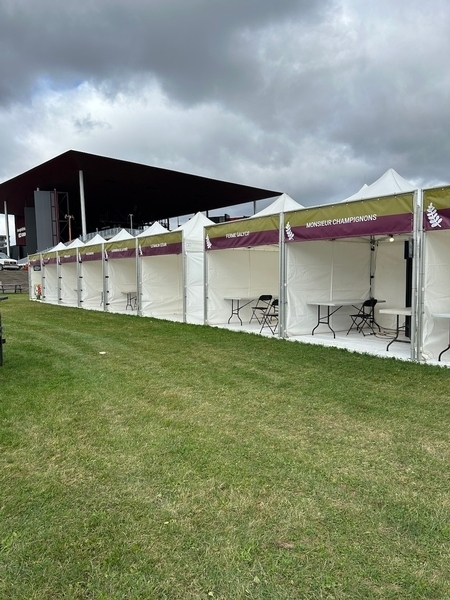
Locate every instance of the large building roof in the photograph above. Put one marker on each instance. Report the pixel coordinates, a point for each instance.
(116, 188)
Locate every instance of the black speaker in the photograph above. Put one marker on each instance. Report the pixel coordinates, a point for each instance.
(408, 250)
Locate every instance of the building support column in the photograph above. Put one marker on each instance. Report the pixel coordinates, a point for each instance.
(82, 204)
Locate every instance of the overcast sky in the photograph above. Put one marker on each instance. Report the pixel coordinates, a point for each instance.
(310, 97)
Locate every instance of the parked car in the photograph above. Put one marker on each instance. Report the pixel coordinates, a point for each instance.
(7, 263)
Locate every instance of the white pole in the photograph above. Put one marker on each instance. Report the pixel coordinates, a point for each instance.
(282, 280)
(184, 276)
(8, 249)
(418, 258)
(82, 204)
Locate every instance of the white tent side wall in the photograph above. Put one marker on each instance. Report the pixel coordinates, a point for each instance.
(436, 269)
(92, 284)
(69, 283)
(193, 269)
(194, 286)
(437, 294)
(162, 286)
(35, 276)
(50, 283)
(322, 271)
(121, 285)
(91, 274)
(240, 273)
(389, 283)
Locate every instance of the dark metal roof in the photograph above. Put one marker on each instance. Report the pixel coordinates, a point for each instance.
(115, 188)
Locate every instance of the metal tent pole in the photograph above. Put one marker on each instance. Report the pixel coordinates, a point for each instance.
(282, 280)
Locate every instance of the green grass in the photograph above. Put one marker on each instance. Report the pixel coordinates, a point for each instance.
(189, 462)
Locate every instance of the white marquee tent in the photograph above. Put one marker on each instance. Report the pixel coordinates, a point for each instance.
(243, 262)
(193, 267)
(436, 274)
(389, 184)
(171, 272)
(92, 288)
(50, 274)
(351, 250)
(121, 273)
(69, 267)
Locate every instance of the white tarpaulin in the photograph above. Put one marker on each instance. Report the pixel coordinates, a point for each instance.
(436, 284)
(388, 184)
(324, 270)
(35, 276)
(153, 230)
(242, 274)
(91, 273)
(69, 273)
(193, 264)
(121, 274)
(282, 204)
(50, 274)
(172, 272)
(341, 252)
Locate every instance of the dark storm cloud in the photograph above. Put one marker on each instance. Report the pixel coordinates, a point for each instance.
(314, 98)
(196, 48)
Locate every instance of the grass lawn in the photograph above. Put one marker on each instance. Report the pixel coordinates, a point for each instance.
(148, 459)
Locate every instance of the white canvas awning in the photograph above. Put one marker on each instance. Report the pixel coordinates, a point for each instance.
(282, 204)
(389, 184)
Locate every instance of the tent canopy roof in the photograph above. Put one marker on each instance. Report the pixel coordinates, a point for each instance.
(97, 239)
(282, 204)
(154, 229)
(75, 244)
(389, 184)
(122, 235)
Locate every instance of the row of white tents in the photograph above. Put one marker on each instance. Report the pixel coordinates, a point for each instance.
(390, 241)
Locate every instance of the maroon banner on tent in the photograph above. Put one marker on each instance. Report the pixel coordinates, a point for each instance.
(70, 258)
(243, 239)
(435, 219)
(330, 229)
(91, 256)
(120, 253)
(49, 261)
(161, 249)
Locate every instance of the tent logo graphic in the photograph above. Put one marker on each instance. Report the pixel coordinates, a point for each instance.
(289, 231)
(433, 216)
(208, 242)
(140, 249)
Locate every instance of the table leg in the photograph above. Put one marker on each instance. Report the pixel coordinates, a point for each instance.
(396, 334)
(325, 320)
(235, 311)
(448, 347)
(373, 320)
(318, 320)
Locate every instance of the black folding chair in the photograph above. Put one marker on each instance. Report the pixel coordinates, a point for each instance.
(364, 317)
(261, 306)
(270, 317)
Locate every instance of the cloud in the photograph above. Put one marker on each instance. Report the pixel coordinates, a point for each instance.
(312, 98)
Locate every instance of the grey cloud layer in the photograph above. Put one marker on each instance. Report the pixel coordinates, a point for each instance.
(196, 48)
(310, 97)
